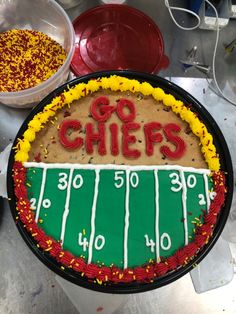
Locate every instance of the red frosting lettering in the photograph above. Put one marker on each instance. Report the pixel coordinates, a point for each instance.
(129, 139)
(120, 110)
(178, 142)
(100, 109)
(93, 137)
(63, 134)
(114, 139)
(151, 136)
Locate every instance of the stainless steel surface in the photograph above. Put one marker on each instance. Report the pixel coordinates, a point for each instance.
(177, 41)
(27, 286)
(180, 297)
(68, 4)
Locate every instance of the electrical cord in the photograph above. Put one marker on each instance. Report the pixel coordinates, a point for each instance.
(171, 8)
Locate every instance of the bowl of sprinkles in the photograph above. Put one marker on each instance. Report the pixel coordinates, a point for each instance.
(35, 51)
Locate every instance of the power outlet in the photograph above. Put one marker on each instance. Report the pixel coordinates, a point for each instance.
(233, 8)
(207, 14)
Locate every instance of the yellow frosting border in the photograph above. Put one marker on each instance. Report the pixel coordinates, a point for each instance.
(116, 83)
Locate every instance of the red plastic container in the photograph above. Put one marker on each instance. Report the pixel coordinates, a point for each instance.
(117, 37)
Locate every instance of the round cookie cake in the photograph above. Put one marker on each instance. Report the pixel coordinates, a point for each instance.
(119, 185)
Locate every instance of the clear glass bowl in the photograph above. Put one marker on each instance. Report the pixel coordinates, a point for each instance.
(48, 17)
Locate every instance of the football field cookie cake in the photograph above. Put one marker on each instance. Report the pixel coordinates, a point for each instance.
(118, 182)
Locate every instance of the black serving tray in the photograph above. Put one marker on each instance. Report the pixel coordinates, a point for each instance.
(226, 166)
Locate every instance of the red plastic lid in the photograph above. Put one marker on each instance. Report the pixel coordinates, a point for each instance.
(117, 37)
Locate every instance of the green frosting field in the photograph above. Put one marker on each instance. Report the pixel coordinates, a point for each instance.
(147, 233)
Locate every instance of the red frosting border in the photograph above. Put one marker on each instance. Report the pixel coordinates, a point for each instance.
(104, 274)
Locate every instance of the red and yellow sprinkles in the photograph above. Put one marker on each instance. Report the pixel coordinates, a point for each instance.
(27, 58)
